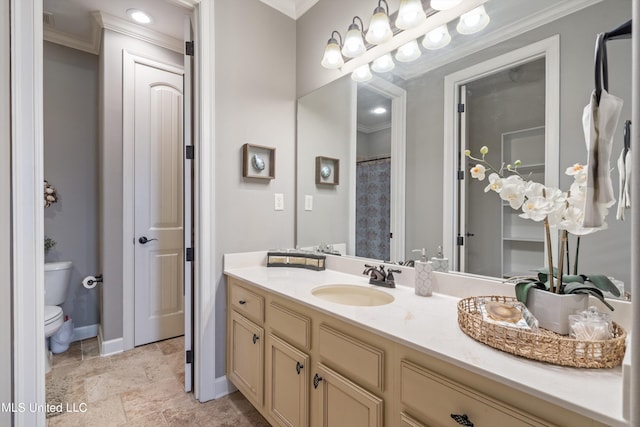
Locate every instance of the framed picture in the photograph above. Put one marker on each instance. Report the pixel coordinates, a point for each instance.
(258, 161)
(327, 171)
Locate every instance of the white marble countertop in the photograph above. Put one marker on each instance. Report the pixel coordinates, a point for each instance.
(429, 324)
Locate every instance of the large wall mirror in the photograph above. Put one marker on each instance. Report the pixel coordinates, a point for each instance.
(328, 126)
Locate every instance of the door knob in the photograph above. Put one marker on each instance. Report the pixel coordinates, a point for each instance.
(143, 240)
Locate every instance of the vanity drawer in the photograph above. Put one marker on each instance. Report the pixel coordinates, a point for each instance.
(436, 398)
(246, 302)
(287, 324)
(355, 359)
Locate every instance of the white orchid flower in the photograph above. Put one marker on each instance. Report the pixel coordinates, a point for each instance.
(577, 195)
(512, 192)
(579, 173)
(536, 208)
(478, 172)
(495, 183)
(534, 189)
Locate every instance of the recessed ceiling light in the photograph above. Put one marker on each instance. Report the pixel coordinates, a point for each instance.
(379, 110)
(139, 16)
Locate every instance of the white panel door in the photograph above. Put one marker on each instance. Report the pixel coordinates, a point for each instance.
(159, 254)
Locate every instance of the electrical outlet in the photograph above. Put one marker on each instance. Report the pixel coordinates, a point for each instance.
(279, 202)
(308, 202)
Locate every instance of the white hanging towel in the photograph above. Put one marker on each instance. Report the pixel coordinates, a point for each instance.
(599, 120)
(624, 169)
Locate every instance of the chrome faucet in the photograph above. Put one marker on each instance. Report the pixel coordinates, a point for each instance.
(379, 277)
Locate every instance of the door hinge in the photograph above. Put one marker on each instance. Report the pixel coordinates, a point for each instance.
(188, 356)
(189, 255)
(391, 235)
(460, 241)
(460, 108)
(189, 152)
(189, 48)
(460, 175)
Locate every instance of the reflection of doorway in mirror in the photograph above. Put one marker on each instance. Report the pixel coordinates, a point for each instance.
(373, 175)
(504, 111)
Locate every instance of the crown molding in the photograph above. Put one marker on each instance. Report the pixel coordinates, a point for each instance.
(375, 128)
(292, 8)
(65, 39)
(122, 26)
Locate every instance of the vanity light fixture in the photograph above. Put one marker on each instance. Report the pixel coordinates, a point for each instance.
(408, 52)
(444, 4)
(379, 27)
(410, 14)
(139, 16)
(362, 74)
(353, 43)
(383, 64)
(473, 21)
(437, 38)
(332, 57)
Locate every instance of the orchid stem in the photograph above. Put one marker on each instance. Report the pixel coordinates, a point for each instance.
(549, 254)
(563, 243)
(575, 261)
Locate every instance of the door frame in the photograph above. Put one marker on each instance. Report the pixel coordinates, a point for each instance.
(398, 98)
(129, 60)
(548, 48)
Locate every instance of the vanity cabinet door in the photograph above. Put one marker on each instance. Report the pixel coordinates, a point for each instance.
(287, 383)
(245, 364)
(343, 403)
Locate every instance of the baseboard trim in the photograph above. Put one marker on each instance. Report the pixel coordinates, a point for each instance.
(223, 386)
(85, 332)
(109, 347)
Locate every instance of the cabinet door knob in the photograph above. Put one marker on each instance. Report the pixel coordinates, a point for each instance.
(316, 380)
(299, 367)
(242, 302)
(462, 419)
(255, 338)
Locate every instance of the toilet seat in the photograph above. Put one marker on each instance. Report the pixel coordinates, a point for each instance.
(53, 319)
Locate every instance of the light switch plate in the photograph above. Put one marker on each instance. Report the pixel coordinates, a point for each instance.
(279, 202)
(308, 202)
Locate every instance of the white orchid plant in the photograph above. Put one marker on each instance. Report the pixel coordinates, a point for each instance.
(556, 209)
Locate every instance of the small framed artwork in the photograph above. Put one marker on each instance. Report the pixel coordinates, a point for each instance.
(258, 161)
(327, 171)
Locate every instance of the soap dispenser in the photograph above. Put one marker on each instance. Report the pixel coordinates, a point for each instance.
(440, 263)
(423, 269)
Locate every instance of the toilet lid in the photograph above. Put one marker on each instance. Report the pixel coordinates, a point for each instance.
(51, 313)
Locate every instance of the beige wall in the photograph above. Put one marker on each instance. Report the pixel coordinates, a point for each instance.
(255, 99)
(6, 382)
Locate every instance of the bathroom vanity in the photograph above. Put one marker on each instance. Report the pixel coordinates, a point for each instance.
(304, 361)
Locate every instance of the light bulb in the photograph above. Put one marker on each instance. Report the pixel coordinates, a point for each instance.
(473, 21)
(332, 57)
(362, 73)
(437, 38)
(353, 43)
(411, 14)
(383, 64)
(408, 52)
(379, 28)
(444, 4)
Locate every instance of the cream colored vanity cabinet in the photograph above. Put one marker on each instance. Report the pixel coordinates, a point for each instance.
(287, 366)
(245, 342)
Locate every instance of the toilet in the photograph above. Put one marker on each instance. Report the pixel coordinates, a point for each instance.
(56, 283)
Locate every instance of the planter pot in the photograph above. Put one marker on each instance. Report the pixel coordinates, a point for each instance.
(553, 310)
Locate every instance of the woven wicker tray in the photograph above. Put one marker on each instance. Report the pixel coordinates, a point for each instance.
(545, 346)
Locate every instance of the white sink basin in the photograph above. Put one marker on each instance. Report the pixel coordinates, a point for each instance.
(352, 295)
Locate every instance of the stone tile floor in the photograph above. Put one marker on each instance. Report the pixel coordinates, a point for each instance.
(140, 387)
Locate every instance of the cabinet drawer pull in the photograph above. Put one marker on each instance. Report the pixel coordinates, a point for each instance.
(316, 380)
(299, 367)
(462, 419)
(255, 338)
(242, 302)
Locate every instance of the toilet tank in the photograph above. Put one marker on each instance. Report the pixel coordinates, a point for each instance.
(56, 282)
